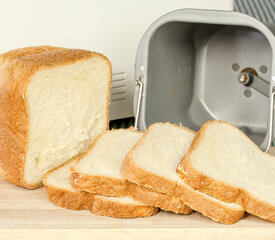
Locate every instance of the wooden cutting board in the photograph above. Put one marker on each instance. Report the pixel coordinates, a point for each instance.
(28, 214)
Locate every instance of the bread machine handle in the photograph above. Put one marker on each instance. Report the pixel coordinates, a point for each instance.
(271, 121)
(138, 82)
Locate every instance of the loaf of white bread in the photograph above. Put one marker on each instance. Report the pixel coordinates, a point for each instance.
(54, 102)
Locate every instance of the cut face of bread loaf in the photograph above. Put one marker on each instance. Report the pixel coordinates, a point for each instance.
(54, 102)
(153, 161)
(104, 159)
(60, 192)
(99, 172)
(225, 163)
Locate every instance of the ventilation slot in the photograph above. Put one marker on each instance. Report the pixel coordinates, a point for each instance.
(118, 87)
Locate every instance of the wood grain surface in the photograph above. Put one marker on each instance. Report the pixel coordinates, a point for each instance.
(30, 212)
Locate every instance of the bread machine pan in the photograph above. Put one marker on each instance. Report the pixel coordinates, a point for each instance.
(198, 65)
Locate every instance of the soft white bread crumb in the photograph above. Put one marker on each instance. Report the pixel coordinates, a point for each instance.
(162, 149)
(231, 163)
(60, 177)
(67, 110)
(227, 155)
(106, 156)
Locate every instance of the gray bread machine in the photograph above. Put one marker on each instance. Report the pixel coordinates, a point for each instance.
(198, 65)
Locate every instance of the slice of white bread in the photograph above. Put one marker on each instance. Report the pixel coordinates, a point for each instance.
(60, 192)
(99, 172)
(223, 162)
(153, 161)
(54, 102)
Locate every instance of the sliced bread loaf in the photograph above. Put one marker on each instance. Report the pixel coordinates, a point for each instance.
(153, 161)
(60, 192)
(54, 102)
(223, 162)
(99, 172)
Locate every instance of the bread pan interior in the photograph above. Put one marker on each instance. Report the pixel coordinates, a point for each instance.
(192, 76)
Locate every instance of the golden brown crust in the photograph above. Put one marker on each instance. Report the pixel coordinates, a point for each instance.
(164, 201)
(69, 199)
(17, 68)
(21, 52)
(79, 200)
(108, 186)
(97, 204)
(110, 208)
(194, 199)
(101, 185)
(221, 190)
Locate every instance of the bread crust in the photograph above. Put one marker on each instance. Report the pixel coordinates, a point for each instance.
(21, 52)
(219, 189)
(104, 207)
(110, 186)
(79, 200)
(97, 204)
(101, 185)
(17, 68)
(194, 199)
(69, 199)
(164, 201)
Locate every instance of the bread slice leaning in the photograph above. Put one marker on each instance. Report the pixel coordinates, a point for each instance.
(98, 172)
(223, 162)
(54, 102)
(153, 161)
(60, 192)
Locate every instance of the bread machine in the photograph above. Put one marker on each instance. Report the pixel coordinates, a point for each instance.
(198, 65)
